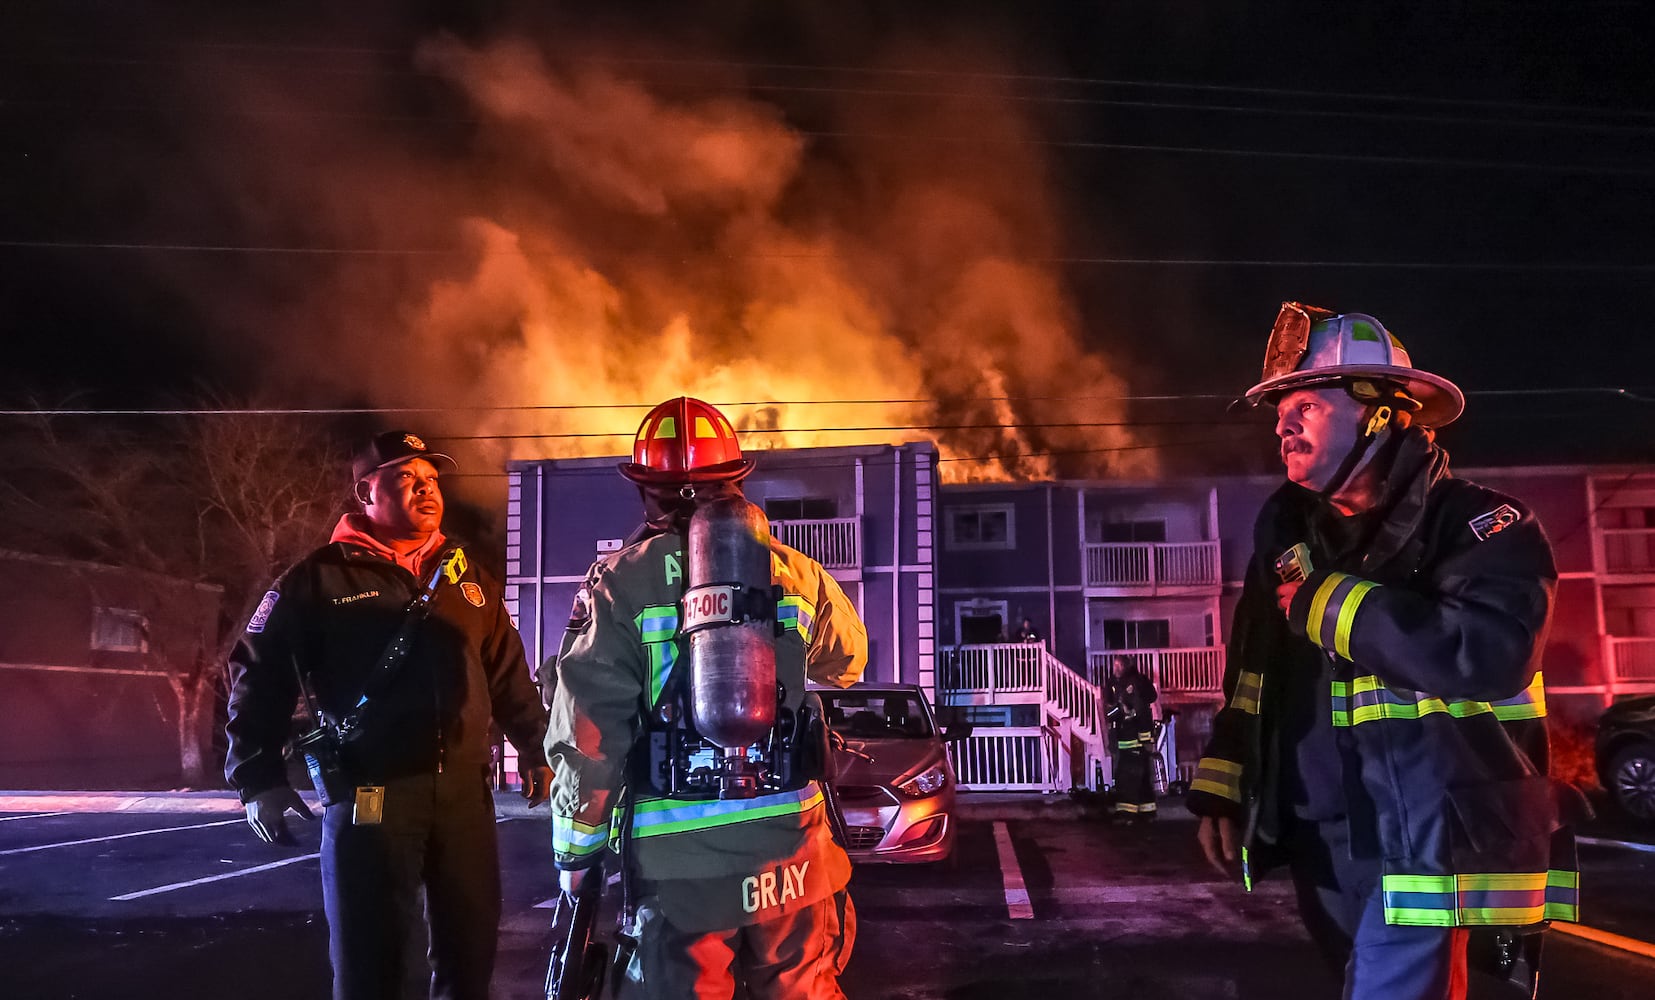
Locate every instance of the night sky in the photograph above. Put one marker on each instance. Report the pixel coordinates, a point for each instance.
(1477, 175)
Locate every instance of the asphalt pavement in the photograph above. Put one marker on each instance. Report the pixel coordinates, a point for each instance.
(126, 894)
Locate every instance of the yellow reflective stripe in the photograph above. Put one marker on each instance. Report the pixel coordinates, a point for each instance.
(1479, 899)
(1366, 699)
(1217, 776)
(1248, 688)
(1347, 616)
(796, 613)
(1318, 607)
(1531, 704)
(571, 836)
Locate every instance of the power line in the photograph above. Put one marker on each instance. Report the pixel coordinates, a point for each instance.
(34, 50)
(1325, 114)
(1637, 394)
(391, 252)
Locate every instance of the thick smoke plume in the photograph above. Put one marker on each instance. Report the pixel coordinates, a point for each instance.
(622, 241)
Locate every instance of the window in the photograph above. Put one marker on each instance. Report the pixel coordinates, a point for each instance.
(119, 630)
(1134, 633)
(1133, 531)
(802, 509)
(990, 526)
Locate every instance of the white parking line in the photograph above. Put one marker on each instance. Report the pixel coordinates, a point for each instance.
(8, 819)
(117, 836)
(1017, 894)
(124, 897)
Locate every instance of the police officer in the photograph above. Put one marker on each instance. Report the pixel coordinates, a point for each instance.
(417, 812)
(748, 890)
(1383, 733)
(1132, 698)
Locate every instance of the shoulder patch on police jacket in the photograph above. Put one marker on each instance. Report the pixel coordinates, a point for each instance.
(472, 593)
(261, 614)
(1486, 526)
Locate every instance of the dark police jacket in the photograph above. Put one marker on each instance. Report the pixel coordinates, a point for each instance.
(1429, 638)
(330, 617)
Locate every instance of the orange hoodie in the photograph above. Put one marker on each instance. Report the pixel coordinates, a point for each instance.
(355, 529)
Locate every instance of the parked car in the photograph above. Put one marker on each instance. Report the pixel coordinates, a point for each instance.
(1626, 756)
(895, 782)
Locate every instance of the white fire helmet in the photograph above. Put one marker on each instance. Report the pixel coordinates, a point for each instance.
(1311, 347)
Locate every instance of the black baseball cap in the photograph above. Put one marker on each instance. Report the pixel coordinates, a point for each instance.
(392, 448)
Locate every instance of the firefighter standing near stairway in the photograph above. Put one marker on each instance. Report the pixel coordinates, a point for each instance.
(729, 889)
(1132, 730)
(1383, 732)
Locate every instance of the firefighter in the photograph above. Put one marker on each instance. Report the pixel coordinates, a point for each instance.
(416, 816)
(1132, 729)
(728, 890)
(1383, 732)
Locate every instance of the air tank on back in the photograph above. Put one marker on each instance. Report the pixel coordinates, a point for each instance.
(729, 613)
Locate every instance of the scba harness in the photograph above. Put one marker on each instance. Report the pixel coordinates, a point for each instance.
(720, 726)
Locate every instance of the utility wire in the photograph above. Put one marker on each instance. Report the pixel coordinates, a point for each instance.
(390, 252)
(1636, 394)
(35, 50)
(1254, 110)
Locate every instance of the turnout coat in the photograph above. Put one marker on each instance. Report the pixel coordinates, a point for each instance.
(1429, 637)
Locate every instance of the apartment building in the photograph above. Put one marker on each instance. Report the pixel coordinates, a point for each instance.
(945, 576)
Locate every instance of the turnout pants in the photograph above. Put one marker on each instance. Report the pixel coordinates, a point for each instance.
(437, 836)
(1342, 908)
(794, 957)
(1135, 775)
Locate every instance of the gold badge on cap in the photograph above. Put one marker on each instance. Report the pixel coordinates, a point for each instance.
(413, 441)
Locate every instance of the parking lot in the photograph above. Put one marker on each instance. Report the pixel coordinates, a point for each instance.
(98, 898)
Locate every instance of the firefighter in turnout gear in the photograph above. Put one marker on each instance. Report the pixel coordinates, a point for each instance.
(405, 695)
(1383, 732)
(1132, 730)
(735, 886)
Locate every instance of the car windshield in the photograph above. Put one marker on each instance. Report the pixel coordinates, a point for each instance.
(886, 715)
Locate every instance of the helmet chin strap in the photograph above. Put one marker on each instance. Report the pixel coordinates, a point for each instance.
(1376, 416)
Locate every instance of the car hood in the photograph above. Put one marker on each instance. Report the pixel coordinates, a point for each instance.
(1630, 712)
(892, 760)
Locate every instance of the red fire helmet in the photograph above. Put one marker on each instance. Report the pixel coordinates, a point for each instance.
(685, 440)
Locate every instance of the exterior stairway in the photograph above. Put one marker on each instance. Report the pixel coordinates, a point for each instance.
(1067, 749)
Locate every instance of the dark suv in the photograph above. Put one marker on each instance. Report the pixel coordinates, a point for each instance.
(1626, 756)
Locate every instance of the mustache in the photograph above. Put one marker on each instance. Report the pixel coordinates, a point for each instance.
(1295, 446)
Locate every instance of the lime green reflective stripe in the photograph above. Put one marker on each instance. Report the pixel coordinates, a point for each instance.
(1367, 699)
(658, 817)
(1347, 616)
(1248, 688)
(658, 628)
(1318, 608)
(1531, 704)
(1402, 916)
(570, 836)
(1217, 776)
(1128, 744)
(1480, 899)
(796, 613)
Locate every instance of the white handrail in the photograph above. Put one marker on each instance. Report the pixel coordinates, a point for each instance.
(1152, 564)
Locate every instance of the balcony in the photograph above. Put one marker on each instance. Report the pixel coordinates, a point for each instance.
(836, 543)
(1632, 660)
(1629, 551)
(1193, 670)
(1149, 568)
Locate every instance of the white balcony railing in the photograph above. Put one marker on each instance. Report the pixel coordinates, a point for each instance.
(1632, 659)
(836, 543)
(1628, 550)
(1068, 749)
(1191, 670)
(1152, 565)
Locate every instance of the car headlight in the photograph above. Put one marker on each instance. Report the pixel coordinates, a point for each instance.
(925, 782)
